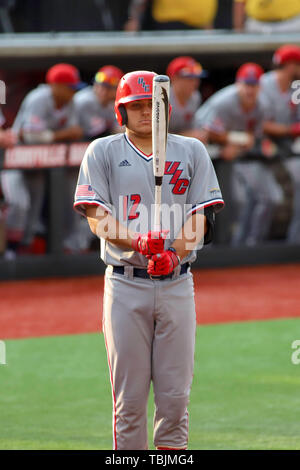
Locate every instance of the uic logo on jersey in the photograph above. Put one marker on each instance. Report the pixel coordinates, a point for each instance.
(141, 81)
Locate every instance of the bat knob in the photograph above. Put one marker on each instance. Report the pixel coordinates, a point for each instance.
(161, 78)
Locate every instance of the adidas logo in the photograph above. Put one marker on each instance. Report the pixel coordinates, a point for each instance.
(124, 163)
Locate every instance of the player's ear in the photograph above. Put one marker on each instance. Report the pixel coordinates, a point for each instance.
(123, 113)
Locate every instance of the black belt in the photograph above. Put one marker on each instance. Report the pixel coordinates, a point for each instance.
(142, 273)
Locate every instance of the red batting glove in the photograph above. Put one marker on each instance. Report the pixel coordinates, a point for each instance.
(150, 243)
(295, 129)
(163, 263)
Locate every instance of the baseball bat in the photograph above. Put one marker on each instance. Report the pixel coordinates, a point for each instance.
(160, 124)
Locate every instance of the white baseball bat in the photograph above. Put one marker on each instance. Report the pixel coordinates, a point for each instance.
(160, 124)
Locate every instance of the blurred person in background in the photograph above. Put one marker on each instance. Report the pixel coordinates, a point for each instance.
(172, 14)
(185, 98)
(94, 107)
(283, 124)
(95, 104)
(234, 118)
(7, 139)
(47, 115)
(266, 16)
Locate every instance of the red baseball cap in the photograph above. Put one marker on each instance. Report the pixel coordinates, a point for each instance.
(249, 73)
(109, 75)
(65, 74)
(286, 53)
(185, 66)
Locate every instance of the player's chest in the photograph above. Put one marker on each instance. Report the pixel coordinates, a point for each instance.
(134, 173)
(244, 121)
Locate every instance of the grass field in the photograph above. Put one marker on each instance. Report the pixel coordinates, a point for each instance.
(55, 391)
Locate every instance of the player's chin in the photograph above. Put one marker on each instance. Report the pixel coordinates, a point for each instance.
(145, 128)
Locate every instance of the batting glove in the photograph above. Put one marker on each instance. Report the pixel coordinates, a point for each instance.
(163, 263)
(150, 243)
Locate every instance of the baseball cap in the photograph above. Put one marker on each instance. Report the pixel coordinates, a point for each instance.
(65, 74)
(249, 73)
(286, 53)
(109, 75)
(185, 66)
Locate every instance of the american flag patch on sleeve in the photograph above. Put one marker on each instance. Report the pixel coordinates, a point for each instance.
(85, 190)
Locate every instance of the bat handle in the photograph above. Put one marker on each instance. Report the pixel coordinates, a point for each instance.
(157, 224)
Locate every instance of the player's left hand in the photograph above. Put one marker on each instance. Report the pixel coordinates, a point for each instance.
(150, 243)
(162, 263)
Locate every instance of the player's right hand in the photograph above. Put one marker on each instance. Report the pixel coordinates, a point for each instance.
(150, 243)
(163, 264)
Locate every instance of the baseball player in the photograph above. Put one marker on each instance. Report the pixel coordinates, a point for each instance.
(234, 118)
(148, 307)
(283, 123)
(95, 104)
(185, 74)
(7, 139)
(46, 115)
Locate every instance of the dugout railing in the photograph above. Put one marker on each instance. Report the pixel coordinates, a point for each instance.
(56, 159)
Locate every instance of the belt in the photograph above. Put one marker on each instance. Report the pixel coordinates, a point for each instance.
(142, 273)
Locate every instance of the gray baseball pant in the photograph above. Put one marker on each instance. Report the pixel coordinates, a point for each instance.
(149, 328)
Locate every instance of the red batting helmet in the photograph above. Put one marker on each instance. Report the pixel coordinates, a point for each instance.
(133, 86)
(286, 53)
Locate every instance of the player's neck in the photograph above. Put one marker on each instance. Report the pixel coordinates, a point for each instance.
(142, 142)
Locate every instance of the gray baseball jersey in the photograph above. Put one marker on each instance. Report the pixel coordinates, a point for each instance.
(223, 112)
(38, 112)
(280, 105)
(182, 115)
(117, 176)
(94, 118)
(251, 180)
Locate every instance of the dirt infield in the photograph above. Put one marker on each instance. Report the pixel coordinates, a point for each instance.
(69, 306)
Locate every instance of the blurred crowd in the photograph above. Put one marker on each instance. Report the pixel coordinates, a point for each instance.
(253, 123)
(257, 16)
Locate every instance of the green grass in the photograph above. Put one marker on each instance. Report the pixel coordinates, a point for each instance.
(55, 391)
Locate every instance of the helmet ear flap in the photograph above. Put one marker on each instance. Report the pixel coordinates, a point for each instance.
(123, 114)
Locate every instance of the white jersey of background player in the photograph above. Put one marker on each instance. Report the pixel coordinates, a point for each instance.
(234, 118)
(95, 104)
(46, 115)
(149, 325)
(283, 123)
